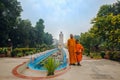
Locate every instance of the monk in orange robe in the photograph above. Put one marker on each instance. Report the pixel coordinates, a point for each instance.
(71, 50)
(79, 50)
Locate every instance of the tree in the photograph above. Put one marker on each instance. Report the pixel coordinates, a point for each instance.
(105, 10)
(116, 8)
(48, 39)
(40, 31)
(107, 24)
(90, 41)
(9, 12)
(32, 37)
(19, 31)
(76, 37)
(108, 9)
(20, 35)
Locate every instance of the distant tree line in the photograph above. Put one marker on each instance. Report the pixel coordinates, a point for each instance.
(17, 32)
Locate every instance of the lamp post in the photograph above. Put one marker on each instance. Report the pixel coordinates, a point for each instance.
(9, 47)
(9, 42)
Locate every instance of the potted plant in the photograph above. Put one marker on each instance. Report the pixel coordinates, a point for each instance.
(51, 64)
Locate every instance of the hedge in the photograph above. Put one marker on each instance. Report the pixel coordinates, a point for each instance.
(18, 52)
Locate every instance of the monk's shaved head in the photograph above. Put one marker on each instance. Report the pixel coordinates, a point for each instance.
(71, 35)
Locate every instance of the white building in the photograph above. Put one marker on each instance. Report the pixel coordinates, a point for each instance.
(61, 43)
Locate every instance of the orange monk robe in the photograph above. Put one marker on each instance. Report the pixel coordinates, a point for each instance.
(79, 48)
(71, 50)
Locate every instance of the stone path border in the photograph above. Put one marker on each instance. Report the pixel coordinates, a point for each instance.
(17, 74)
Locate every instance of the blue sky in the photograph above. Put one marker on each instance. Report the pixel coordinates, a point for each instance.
(68, 16)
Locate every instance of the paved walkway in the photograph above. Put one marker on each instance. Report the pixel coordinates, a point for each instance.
(93, 70)
(90, 70)
(6, 67)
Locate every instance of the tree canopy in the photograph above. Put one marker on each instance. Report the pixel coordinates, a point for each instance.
(105, 32)
(9, 13)
(20, 32)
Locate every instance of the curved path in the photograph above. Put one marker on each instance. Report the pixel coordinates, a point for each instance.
(101, 69)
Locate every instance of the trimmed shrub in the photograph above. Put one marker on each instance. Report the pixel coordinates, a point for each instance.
(24, 51)
(115, 55)
(111, 54)
(95, 55)
(87, 52)
(3, 50)
(102, 53)
(19, 54)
